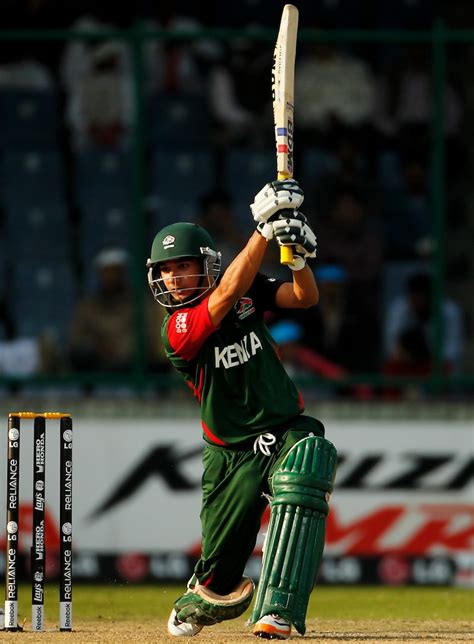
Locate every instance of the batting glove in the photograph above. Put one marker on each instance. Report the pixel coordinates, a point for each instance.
(292, 229)
(276, 196)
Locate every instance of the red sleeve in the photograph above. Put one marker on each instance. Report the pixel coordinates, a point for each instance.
(188, 329)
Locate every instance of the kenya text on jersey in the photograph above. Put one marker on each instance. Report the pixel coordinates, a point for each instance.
(235, 354)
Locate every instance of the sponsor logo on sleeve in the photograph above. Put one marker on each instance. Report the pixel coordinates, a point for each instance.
(181, 326)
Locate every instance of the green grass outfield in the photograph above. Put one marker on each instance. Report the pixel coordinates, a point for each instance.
(336, 614)
(125, 602)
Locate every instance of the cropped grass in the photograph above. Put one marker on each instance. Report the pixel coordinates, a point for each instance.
(124, 602)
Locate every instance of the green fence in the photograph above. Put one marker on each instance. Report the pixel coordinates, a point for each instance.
(438, 38)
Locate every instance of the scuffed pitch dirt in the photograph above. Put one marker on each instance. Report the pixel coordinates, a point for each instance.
(321, 631)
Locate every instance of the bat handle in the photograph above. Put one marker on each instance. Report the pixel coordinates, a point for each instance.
(286, 252)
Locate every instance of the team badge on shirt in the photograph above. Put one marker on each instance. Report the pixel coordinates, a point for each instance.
(244, 307)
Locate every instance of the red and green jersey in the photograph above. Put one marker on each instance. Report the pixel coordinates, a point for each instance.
(233, 369)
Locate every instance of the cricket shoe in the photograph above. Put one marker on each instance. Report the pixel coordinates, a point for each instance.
(272, 627)
(181, 629)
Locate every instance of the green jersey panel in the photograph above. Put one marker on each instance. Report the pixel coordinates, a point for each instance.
(233, 370)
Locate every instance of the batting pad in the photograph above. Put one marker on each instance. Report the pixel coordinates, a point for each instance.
(295, 538)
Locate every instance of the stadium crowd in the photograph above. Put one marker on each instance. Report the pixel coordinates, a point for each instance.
(68, 185)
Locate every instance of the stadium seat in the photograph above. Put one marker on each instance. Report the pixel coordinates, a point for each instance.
(164, 212)
(246, 172)
(389, 172)
(31, 176)
(103, 226)
(103, 177)
(179, 118)
(179, 176)
(315, 164)
(41, 298)
(40, 232)
(28, 116)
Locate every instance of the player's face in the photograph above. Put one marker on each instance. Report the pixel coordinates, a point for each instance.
(181, 277)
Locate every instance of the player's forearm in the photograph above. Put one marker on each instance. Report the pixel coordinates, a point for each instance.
(305, 288)
(240, 274)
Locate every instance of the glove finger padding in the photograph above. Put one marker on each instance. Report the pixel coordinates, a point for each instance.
(294, 231)
(274, 197)
(291, 214)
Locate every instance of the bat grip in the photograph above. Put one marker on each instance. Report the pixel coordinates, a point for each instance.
(286, 252)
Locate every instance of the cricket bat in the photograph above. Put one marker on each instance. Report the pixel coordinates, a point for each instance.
(283, 81)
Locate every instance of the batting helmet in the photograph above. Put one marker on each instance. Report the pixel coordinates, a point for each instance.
(178, 241)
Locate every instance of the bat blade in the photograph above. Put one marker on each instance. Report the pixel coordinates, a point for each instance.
(283, 80)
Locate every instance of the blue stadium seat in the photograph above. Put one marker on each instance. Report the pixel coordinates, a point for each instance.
(103, 226)
(103, 177)
(165, 212)
(179, 118)
(315, 164)
(40, 232)
(389, 172)
(31, 176)
(246, 172)
(179, 176)
(42, 298)
(28, 116)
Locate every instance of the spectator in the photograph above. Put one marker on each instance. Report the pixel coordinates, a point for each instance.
(351, 238)
(97, 79)
(332, 88)
(339, 330)
(175, 65)
(217, 216)
(405, 100)
(412, 312)
(297, 358)
(239, 95)
(103, 329)
(26, 356)
(407, 214)
(411, 356)
(345, 162)
(100, 108)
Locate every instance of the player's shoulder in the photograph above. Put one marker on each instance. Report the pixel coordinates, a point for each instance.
(174, 316)
(263, 285)
(179, 320)
(261, 279)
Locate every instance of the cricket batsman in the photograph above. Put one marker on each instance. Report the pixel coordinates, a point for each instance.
(260, 447)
